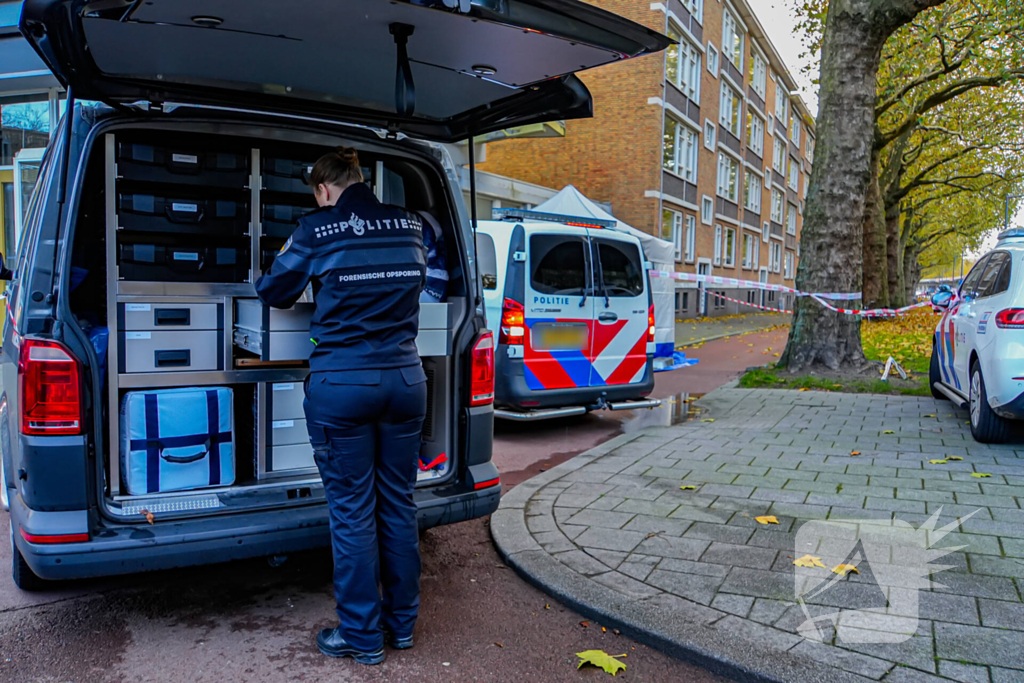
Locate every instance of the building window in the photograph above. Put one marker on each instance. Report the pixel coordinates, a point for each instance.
(24, 123)
(691, 238)
(718, 245)
(707, 209)
(709, 134)
(732, 40)
(728, 177)
(781, 101)
(729, 248)
(791, 219)
(758, 73)
(696, 8)
(775, 257)
(731, 108)
(682, 64)
(680, 151)
(752, 189)
(789, 266)
(712, 54)
(766, 231)
(755, 132)
(749, 251)
(778, 205)
(767, 176)
(794, 130)
(794, 174)
(779, 155)
(672, 229)
(810, 149)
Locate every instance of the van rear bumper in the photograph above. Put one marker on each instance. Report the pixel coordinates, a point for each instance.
(136, 548)
(511, 390)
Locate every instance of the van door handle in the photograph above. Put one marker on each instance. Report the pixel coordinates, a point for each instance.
(608, 317)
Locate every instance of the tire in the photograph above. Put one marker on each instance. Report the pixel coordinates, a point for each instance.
(935, 375)
(986, 426)
(24, 577)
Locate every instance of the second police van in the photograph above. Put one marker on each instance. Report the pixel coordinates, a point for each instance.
(569, 301)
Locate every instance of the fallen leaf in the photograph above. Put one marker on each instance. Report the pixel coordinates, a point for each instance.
(980, 475)
(809, 561)
(888, 431)
(844, 569)
(498, 644)
(708, 419)
(688, 488)
(936, 462)
(839, 487)
(803, 389)
(616, 632)
(953, 457)
(149, 515)
(547, 606)
(604, 630)
(929, 415)
(854, 452)
(601, 660)
(767, 519)
(584, 624)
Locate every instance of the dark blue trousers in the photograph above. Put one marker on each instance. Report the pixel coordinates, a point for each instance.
(365, 427)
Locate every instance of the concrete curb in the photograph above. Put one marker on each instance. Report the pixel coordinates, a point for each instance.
(668, 623)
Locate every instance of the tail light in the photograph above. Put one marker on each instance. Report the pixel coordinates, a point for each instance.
(513, 323)
(650, 324)
(49, 388)
(481, 391)
(1012, 318)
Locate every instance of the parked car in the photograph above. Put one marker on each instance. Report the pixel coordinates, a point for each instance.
(569, 301)
(977, 354)
(155, 212)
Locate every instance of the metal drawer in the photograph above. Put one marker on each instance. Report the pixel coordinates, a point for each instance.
(294, 457)
(170, 351)
(287, 432)
(274, 345)
(253, 315)
(286, 400)
(171, 316)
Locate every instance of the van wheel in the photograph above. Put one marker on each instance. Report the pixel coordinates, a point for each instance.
(24, 577)
(986, 426)
(935, 375)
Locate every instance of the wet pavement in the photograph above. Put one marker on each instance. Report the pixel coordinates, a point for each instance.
(248, 621)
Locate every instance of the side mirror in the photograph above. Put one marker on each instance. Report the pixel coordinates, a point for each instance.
(942, 298)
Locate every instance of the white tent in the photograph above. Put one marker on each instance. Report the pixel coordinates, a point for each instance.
(661, 253)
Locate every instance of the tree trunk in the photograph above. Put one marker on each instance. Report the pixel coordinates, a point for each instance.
(911, 272)
(876, 283)
(894, 248)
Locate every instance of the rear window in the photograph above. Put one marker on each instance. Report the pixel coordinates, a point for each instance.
(987, 285)
(621, 268)
(486, 261)
(558, 264)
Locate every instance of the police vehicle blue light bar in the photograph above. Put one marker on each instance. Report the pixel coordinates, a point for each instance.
(526, 215)
(1011, 233)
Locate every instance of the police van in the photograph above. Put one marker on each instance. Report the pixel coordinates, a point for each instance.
(162, 200)
(569, 302)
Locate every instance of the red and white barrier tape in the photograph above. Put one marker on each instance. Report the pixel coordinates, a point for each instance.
(747, 303)
(873, 312)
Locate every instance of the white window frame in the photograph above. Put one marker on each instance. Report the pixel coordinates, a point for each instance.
(755, 141)
(781, 101)
(794, 174)
(810, 150)
(790, 266)
(778, 206)
(718, 245)
(748, 179)
(795, 131)
(730, 110)
(688, 63)
(729, 255)
(695, 8)
(677, 231)
(707, 209)
(758, 77)
(766, 231)
(790, 218)
(775, 257)
(686, 142)
(767, 176)
(779, 154)
(749, 247)
(710, 135)
(732, 39)
(728, 177)
(712, 59)
(691, 238)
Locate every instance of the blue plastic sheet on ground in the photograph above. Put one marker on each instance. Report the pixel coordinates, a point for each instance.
(679, 360)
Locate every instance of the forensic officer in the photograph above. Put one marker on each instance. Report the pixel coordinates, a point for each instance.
(366, 396)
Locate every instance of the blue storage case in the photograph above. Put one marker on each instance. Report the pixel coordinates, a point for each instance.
(177, 439)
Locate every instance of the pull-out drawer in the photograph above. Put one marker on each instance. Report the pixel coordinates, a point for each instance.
(287, 432)
(185, 263)
(163, 213)
(170, 351)
(286, 400)
(164, 164)
(170, 316)
(293, 457)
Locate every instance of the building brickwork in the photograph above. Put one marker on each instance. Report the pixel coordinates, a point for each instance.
(637, 153)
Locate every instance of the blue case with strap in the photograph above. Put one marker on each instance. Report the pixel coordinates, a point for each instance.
(177, 439)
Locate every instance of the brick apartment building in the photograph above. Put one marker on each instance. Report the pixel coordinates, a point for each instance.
(705, 146)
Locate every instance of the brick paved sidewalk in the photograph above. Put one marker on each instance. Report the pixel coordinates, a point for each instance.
(611, 533)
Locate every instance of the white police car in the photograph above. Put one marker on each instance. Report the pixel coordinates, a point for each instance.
(978, 350)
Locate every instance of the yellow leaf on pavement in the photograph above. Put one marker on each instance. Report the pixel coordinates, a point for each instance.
(888, 431)
(688, 488)
(937, 462)
(708, 419)
(854, 452)
(980, 475)
(844, 569)
(954, 457)
(809, 561)
(803, 389)
(602, 660)
(928, 416)
(767, 519)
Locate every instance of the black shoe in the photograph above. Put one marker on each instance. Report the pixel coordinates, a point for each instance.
(396, 642)
(331, 643)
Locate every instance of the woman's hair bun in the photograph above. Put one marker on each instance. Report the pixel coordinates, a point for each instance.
(339, 167)
(348, 154)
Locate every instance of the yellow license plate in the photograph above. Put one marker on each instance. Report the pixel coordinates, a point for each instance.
(562, 338)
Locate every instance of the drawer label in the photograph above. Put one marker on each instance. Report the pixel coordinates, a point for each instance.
(185, 158)
(186, 256)
(283, 424)
(190, 208)
(284, 387)
(138, 335)
(136, 307)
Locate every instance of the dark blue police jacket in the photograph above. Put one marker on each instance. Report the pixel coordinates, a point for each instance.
(367, 265)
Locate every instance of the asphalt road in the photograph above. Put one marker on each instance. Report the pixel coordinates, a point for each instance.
(248, 621)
